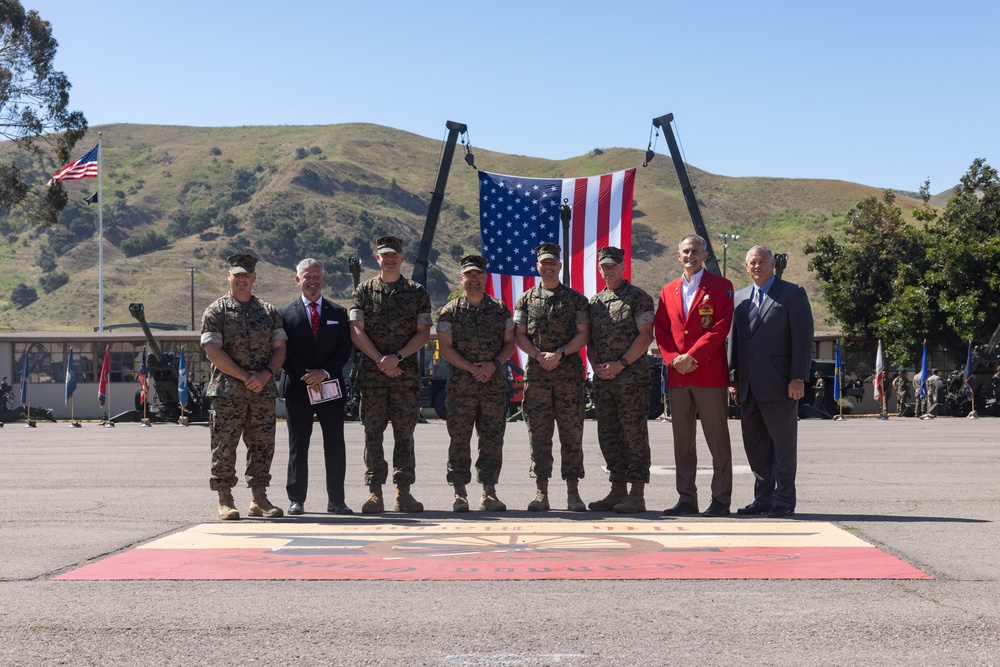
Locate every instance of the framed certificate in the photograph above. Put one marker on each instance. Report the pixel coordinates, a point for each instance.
(327, 391)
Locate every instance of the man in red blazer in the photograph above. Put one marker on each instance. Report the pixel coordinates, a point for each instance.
(691, 324)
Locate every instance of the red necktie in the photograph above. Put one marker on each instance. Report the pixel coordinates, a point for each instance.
(314, 319)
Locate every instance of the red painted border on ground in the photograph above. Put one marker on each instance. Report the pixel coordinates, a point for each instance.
(709, 563)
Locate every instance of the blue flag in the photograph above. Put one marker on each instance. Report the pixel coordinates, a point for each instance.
(836, 374)
(70, 377)
(182, 381)
(968, 372)
(24, 380)
(922, 391)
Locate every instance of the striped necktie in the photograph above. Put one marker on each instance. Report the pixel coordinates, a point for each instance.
(754, 309)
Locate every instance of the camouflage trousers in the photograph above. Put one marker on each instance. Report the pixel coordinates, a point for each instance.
(550, 398)
(400, 405)
(251, 417)
(622, 406)
(481, 405)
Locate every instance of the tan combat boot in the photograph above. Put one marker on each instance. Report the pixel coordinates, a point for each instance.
(261, 506)
(406, 502)
(490, 502)
(618, 493)
(635, 501)
(541, 501)
(461, 499)
(574, 503)
(227, 506)
(374, 504)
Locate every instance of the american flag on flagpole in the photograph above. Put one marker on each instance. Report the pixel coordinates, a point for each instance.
(879, 374)
(85, 167)
(518, 213)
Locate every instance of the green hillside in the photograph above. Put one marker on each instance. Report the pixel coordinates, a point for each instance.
(197, 194)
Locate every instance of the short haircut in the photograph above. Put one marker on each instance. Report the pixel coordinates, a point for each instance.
(306, 263)
(693, 237)
(761, 249)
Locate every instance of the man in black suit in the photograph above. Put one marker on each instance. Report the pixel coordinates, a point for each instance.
(319, 344)
(769, 356)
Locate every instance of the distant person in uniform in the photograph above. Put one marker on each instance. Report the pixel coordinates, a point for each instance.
(476, 336)
(244, 340)
(552, 325)
(901, 385)
(692, 322)
(621, 330)
(770, 352)
(390, 322)
(819, 387)
(319, 344)
(935, 391)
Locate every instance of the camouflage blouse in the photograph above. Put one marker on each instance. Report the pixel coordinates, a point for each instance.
(615, 318)
(246, 332)
(551, 317)
(477, 333)
(391, 313)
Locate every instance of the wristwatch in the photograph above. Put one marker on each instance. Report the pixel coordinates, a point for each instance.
(399, 356)
(623, 362)
(561, 351)
(268, 369)
(496, 364)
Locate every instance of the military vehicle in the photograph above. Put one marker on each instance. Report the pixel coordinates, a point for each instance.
(985, 362)
(163, 402)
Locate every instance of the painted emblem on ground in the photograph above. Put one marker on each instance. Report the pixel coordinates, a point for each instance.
(471, 550)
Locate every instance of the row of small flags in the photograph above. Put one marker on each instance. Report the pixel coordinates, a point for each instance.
(102, 385)
(880, 374)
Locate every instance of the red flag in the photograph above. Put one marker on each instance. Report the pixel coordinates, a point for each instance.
(102, 385)
(85, 167)
(143, 377)
(879, 373)
(517, 214)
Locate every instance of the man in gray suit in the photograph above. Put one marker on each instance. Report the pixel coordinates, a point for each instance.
(770, 349)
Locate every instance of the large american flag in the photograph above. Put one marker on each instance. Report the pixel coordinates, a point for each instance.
(85, 167)
(517, 214)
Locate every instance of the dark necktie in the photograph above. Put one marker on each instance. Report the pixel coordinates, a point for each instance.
(754, 310)
(314, 319)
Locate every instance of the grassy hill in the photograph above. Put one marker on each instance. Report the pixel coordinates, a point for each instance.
(286, 192)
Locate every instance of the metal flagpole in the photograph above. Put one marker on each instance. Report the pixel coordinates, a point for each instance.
(100, 225)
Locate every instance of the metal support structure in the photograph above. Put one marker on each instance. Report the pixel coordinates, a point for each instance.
(191, 269)
(663, 122)
(437, 199)
(726, 238)
(565, 215)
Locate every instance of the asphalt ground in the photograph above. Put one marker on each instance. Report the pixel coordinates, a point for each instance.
(924, 491)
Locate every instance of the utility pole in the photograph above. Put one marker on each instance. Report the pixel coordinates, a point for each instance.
(726, 238)
(191, 269)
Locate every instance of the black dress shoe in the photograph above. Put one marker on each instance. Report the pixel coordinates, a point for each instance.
(753, 509)
(780, 513)
(296, 508)
(716, 508)
(334, 508)
(681, 509)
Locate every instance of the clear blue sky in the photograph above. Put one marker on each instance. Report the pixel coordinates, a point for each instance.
(881, 93)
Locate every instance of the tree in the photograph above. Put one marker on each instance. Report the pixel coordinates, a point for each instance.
(903, 284)
(22, 295)
(50, 282)
(34, 102)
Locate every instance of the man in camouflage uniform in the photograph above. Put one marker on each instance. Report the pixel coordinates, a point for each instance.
(621, 330)
(476, 336)
(901, 385)
(390, 321)
(244, 340)
(552, 326)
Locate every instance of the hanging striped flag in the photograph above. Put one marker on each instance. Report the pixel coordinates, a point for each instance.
(517, 214)
(102, 384)
(85, 167)
(70, 378)
(879, 373)
(143, 377)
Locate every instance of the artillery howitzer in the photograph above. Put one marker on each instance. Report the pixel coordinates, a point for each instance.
(985, 362)
(163, 402)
